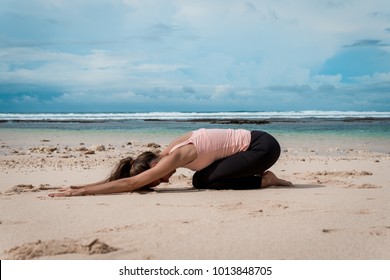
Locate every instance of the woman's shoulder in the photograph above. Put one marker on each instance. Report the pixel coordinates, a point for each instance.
(177, 141)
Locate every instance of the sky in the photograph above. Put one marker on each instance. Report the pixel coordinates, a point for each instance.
(194, 55)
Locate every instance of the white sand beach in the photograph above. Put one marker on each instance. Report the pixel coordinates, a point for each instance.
(338, 208)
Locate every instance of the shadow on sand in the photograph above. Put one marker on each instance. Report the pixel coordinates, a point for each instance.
(298, 186)
(185, 190)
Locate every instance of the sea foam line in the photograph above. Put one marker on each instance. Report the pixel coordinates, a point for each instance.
(189, 115)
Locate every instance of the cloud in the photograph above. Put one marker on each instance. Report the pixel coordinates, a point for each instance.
(32, 66)
(26, 99)
(361, 58)
(250, 7)
(95, 70)
(334, 80)
(374, 79)
(160, 31)
(381, 14)
(96, 98)
(246, 54)
(367, 43)
(223, 92)
(189, 89)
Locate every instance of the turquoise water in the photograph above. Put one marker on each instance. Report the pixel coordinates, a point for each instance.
(335, 123)
(365, 130)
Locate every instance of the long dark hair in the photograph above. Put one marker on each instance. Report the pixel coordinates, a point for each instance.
(128, 167)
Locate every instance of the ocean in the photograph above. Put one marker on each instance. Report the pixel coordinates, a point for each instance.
(332, 122)
(341, 126)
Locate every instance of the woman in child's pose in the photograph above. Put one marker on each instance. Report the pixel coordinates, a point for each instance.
(222, 159)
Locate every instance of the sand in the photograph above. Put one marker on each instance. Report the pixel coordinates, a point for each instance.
(339, 207)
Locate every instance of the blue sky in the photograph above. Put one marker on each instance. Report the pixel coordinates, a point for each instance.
(198, 55)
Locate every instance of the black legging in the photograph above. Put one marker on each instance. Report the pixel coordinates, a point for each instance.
(242, 170)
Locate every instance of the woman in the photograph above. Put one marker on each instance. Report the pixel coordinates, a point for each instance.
(221, 159)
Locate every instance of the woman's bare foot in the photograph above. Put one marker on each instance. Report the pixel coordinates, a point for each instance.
(270, 179)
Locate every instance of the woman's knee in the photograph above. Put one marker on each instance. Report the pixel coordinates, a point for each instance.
(273, 149)
(197, 181)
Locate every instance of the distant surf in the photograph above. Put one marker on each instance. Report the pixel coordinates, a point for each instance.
(91, 117)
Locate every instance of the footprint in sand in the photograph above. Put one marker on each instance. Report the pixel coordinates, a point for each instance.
(231, 206)
(373, 231)
(332, 177)
(18, 189)
(378, 231)
(328, 230)
(279, 205)
(362, 186)
(364, 212)
(342, 173)
(57, 247)
(256, 213)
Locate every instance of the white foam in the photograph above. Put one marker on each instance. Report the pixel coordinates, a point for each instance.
(189, 115)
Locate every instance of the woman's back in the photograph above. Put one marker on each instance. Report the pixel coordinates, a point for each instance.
(213, 144)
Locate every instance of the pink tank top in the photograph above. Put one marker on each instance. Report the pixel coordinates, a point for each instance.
(215, 144)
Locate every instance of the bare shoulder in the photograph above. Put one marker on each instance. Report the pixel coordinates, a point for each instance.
(186, 153)
(176, 141)
(181, 139)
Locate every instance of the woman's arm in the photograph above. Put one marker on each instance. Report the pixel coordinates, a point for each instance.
(90, 184)
(178, 158)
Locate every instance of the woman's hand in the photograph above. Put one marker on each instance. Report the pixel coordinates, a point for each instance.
(70, 191)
